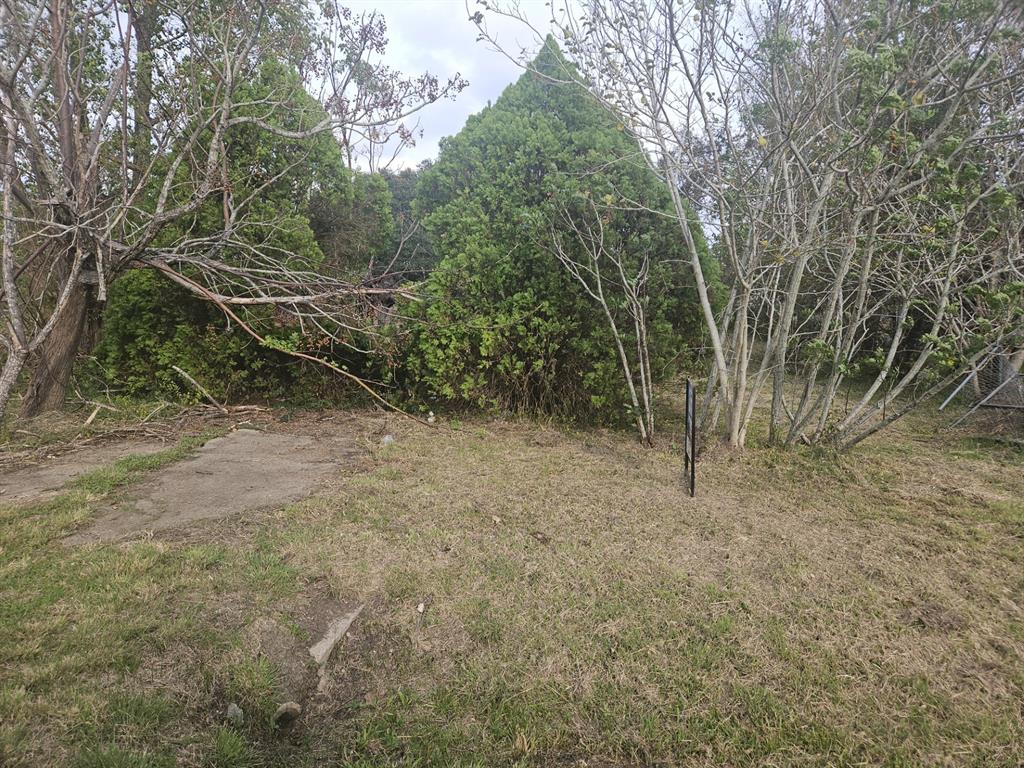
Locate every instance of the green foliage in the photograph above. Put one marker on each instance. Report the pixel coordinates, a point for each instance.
(230, 750)
(275, 180)
(115, 757)
(418, 255)
(304, 207)
(505, 325)
(355, 229)
(151, 325)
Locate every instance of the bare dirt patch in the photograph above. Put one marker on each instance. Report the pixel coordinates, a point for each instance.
(246, 470)
(44, 478)
(288, 641)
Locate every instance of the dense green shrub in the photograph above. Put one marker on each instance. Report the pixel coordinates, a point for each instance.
(151, 325)
(504, 325)
(310, 208)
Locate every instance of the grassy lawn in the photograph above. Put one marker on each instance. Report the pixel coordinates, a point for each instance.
(578, 609)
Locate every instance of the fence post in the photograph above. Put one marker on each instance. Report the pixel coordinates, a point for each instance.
(690, 439)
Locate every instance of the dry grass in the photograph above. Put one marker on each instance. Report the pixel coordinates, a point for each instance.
(803, 610)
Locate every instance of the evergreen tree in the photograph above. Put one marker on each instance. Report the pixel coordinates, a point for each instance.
(506, 325)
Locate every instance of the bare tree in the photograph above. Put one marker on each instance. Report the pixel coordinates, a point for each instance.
(851, 161)
(615, 275)
(115, 128)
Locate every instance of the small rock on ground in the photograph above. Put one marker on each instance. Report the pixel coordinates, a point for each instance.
(321, 652)
(287, 713)
(236, 716)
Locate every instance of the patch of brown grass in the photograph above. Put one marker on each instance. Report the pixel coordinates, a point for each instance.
(866, 603)
(804, 609)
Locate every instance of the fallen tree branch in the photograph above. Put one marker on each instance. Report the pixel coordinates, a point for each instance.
(210, 296)
(200, 388)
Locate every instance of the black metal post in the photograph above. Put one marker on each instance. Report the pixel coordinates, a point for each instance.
(693, 441)
(686, 431)
(690, 439)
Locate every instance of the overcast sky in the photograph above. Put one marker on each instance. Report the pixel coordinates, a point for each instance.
(437, 36)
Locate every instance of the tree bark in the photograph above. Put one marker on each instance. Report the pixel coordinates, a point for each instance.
(1016, 364)
(55, 359)
(145, 25)
(9, 378)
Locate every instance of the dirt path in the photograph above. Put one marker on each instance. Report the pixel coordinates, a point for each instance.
(246, 470)
(45, 479)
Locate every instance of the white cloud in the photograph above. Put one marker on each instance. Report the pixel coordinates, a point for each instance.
(437, 36)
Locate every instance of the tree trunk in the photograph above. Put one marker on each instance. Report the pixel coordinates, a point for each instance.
(1015, 365)
(9, 378)
(145, 18)
(778, 392)
(55, 359)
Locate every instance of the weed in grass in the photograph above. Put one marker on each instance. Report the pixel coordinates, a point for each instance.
(115, 757)
(133, 718)
(205, 557)
(268, 574)
(230, 750)
(401, 584)
(481, 623)
(252, 683)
